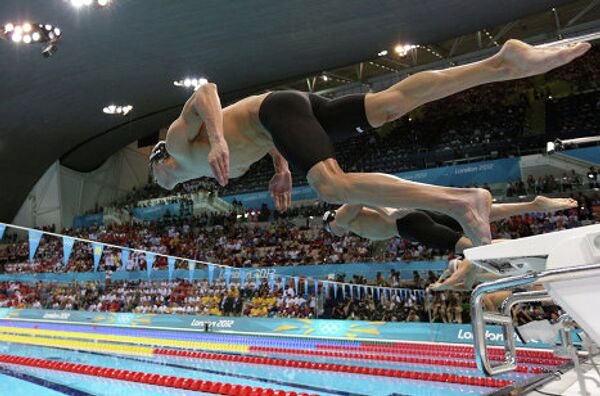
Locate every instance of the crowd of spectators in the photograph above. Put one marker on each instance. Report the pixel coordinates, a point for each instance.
(243, 241)
(201, 298)
(252, 300)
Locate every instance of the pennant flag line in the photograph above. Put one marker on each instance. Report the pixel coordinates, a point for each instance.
(191, 269)
(97, 249)
(34, 241)
(171, 266)
(150, 258)
(124, 259)
(68, 243)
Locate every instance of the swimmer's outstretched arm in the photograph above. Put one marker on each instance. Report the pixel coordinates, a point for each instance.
(205, 103)
(280, 185)
(456, 279)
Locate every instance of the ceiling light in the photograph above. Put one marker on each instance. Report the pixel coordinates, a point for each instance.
(117, 110)
(402, 50)
(27, 33)
(325, 78)
(87, 3)
(190, 83)
(382, 53)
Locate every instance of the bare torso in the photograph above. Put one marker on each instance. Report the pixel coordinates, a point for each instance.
(371, 225)
(247, 139)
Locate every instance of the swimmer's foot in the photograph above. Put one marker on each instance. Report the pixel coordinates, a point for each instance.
(472, 211)
(545, 204)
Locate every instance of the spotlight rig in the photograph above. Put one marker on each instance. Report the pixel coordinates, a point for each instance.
(33, 33)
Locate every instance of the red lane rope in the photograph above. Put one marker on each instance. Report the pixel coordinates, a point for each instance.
(218, 388)
(436, 377)
(392, 358)
(433, 347)
(533, 357)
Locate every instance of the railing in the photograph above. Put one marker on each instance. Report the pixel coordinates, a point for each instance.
(504, 319)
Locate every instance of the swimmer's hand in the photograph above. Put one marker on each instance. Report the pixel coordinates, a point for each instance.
(280, 188)
(218, 159)
(517, 59)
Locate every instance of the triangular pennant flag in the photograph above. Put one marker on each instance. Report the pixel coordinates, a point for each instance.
(344, 291)
(191, 269)
(358, 292)
(306, 286)
(124, 259)
(351, 292)
(211, 273)
(335, 287)
(227, 277)
(150, 257)
(2, 228)
(68, 243)
(34, 241)
(283, 283)
(316, 288)
(171, 266)
(97, 249)
(378, 293)
(326, 289)
(271, 282)
(242, 278)
(296, 284)
(257, 281)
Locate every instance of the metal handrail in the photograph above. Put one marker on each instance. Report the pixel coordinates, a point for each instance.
(480, 318)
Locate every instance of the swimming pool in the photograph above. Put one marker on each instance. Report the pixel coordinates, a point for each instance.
(57, 359)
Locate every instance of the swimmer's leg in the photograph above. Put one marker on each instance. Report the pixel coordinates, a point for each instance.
(515, 60)
(470, 207)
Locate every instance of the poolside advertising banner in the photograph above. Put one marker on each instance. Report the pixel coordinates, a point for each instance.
(350, 330)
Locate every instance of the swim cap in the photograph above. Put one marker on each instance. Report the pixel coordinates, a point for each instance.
(158, 153)
(328, 217)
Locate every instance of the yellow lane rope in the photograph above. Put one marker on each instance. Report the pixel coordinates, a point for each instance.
(127, 339)
(80, 345)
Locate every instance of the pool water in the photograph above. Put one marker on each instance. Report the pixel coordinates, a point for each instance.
(263, 364)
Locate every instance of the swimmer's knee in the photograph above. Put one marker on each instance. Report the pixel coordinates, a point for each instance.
(330, 182)
(332, 191)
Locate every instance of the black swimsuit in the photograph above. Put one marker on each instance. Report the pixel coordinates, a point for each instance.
(304, 125)
(432, 229)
